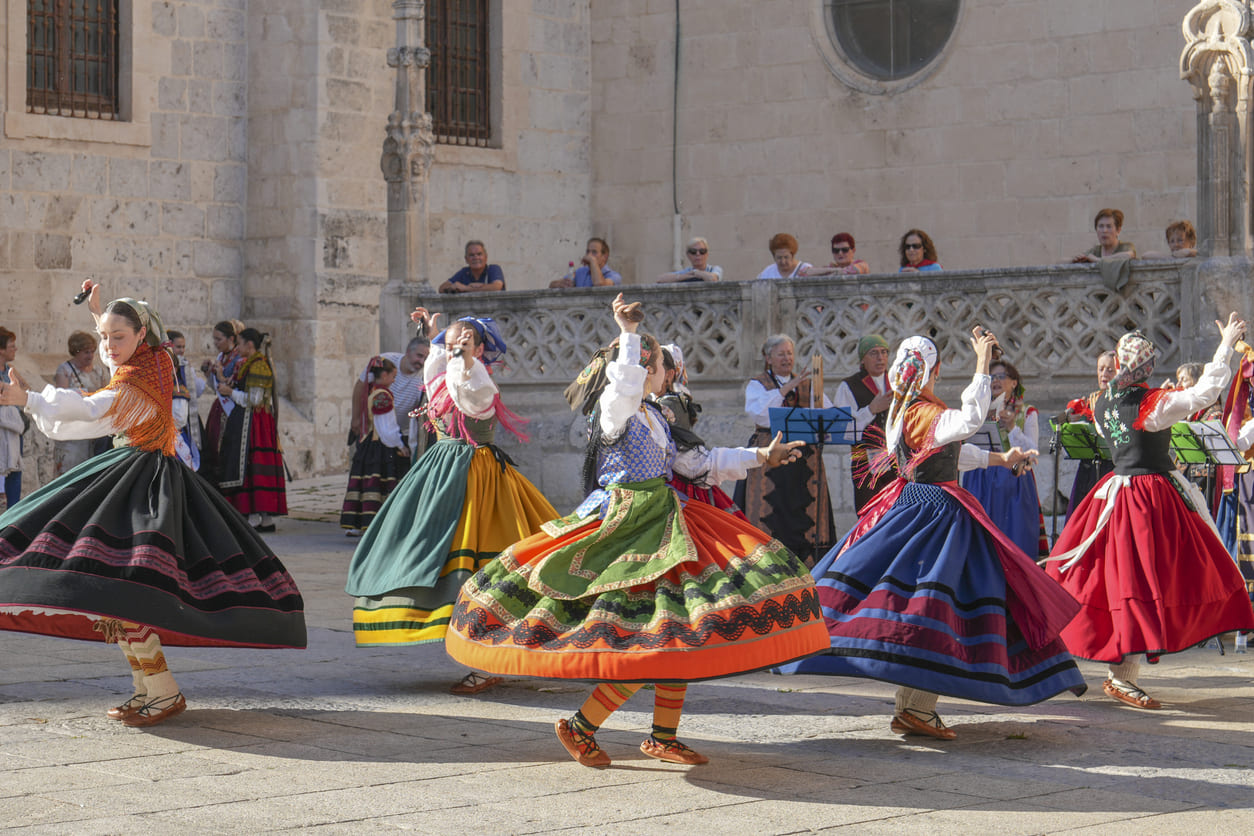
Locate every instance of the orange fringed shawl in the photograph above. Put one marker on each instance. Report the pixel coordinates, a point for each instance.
(142, 406)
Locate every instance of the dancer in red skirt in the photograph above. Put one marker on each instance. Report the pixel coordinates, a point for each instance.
(251, 468)
(1141, 553)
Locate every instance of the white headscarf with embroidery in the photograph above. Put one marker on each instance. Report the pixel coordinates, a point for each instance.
(910, 372)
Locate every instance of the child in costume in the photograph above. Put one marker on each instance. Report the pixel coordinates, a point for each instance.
(456, 509)
(1141, 553)
(251, 467)
(130, 545)
(381, 458)
(639, 584)
(692, 468)
(925, 591)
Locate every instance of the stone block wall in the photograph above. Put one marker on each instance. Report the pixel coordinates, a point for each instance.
(1038, 115)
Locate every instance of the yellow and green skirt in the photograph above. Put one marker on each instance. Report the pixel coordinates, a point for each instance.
(456, 509)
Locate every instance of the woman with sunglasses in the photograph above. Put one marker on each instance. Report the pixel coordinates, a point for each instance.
(918, 253)
(698, 251)
(844, 256)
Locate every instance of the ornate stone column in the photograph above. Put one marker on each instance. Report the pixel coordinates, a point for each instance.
(1218, 62)
(408, 151)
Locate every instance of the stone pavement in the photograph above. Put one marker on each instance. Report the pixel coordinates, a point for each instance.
(347, 740)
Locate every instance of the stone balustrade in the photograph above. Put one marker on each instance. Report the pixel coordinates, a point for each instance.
(1052, 321)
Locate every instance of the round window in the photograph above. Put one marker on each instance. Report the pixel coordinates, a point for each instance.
(890, 40)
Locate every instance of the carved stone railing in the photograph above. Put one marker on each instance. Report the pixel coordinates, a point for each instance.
(1052, 322)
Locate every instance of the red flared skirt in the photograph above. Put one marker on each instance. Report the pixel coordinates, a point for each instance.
(1155, 580)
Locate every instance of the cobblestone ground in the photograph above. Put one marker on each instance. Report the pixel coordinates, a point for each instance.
(341, 739)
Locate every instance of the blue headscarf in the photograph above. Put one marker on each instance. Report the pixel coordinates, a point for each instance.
(489, 336)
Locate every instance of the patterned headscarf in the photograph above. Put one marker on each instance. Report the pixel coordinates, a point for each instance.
(1135, 356)
(910, 372)
(150, 319)
(489, 335)
(681, 370)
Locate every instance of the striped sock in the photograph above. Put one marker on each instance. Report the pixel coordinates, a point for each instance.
(604, 701)
(668, 705)
(145, 644)
(137, 672)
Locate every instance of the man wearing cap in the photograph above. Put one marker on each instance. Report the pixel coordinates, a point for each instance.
(866, 395)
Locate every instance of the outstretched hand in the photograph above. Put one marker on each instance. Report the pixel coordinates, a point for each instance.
(983, 342)
(93, 297)
(13, 394)
(622, 316)
(1233, 331)
(778, 452)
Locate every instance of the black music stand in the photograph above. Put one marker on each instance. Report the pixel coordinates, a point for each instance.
(1081, 442)
(819, 427)
(1205, 443)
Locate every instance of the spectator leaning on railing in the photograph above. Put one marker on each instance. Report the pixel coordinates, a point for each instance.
(698, 252)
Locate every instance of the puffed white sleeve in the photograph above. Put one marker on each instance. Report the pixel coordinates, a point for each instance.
(66, 415)
(437, 360)
(1028, 438)
(1176, 406)
(389, 432)
(708, 467)
(1245, 438)
(470, 386)
(179, 408)
(758, 402)
(959, 424)
(972, 457)
(624, 390)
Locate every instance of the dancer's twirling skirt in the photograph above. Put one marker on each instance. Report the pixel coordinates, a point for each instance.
(660, 589)
(713, 495)
(455, 510)
(137, 536)
(925, 592)
(374, 474)
(1156, 578)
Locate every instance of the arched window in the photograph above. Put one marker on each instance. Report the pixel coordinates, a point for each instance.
(891, 40)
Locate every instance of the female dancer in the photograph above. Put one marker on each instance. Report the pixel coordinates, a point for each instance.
(456, 509)
(692, 468)
(381, 458)
(638, 585)
(130, 545)
(925, 591)
(251, 471)
(1141, 554)
(221, 370)
(1008, 496)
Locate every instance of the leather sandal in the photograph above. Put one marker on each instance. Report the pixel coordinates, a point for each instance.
(156, 711)
(580, 745)
(474, 683)
(672, 751)
(1132, 696)
(126, 709)
(925, 723)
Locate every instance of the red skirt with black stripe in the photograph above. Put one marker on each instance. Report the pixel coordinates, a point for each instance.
(262, 489)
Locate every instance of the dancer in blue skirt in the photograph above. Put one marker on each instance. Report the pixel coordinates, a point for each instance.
(926, 592)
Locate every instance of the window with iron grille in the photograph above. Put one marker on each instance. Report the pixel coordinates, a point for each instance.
(457, 80)
(72, 58)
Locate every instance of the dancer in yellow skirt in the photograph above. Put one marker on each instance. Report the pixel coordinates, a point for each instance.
(456, 509)
(640, 584)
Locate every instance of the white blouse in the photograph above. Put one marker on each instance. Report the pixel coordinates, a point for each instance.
(469, 385)
(759, 400)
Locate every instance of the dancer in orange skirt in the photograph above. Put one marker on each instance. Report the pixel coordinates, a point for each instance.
(639, 584)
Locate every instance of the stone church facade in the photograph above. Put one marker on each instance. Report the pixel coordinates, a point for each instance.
(240, 175)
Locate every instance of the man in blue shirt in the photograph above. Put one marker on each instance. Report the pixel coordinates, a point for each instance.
(593, 273)
(477, 275)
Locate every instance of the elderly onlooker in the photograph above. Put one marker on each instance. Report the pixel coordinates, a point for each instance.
(918, 253)
(844, 256)
(699, 257)
(407, 391)
(84, 375)
(592, 271)
(477, 276)
(786, 266)
(1181, 240)
(1107, 224)
(11, 426)
(867, 396)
